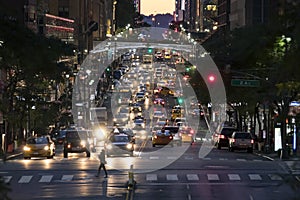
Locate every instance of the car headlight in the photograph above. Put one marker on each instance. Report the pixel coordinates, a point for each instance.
(83, 143)
(129, 146)
(46, 148)
(26, 148)
(109, 146)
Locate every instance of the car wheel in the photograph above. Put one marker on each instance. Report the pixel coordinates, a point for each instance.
(250, 150)
(153, 145)
(218, 146)
(88, 154)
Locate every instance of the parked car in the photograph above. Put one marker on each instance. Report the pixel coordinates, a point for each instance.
(119, 144)
(77, 141)
(39, 146)
(220, 137)
(241, 140)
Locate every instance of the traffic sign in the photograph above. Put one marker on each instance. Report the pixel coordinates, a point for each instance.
(245, 83)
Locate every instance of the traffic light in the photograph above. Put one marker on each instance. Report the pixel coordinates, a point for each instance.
(187, 68)
(180, 100)
(211, 78)
(149, 50)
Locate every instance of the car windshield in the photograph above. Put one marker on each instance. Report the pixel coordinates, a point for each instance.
(243, 136)
(38, 140)
(227, 132)
(119, 138)
(160, 133)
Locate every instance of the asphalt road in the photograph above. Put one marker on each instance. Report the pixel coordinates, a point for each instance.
(220, 175)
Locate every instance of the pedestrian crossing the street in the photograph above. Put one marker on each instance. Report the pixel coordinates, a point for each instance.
(149, 178)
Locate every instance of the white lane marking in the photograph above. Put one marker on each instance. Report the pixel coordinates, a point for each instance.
(189, 197)
(151, 177)
(46, 179)
(255, 177)
(172, 177)
(7, 179)
(234, 177)
(154, 157)
(171, 157)
(241, 159)
(223, 158)
(67, 177)
(257, 160)
(192, 177)
(275, 177)
(25, 179)
(213, 177)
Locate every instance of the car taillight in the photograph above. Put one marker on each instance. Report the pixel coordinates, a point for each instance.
(252, 141)
(221, 136)
(180, 134)
(190, 135)
(155, 136)
(162, 102)
(192, 132)
(170, 137)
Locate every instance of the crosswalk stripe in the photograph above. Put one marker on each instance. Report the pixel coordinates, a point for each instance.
(67, 177)
(46, 179)
(7, 179)
(275, 177)
(25, 179)
(234, 177)
(172, 177)
(213, 177)
(255, 177)
(241, 159)
(154, 157)
(192, 177)
(151, 177)
(171, 157)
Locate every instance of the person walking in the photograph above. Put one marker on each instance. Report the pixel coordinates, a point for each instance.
(102, 163)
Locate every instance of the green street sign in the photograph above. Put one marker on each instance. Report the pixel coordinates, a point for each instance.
(245, 83)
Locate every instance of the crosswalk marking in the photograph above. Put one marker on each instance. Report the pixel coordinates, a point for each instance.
(154, 177)
(275, 177)
(171, 157)
(234, 177)
(154, 157)
(46, 179)
(241, 159)
(172, 177)
(151, 177)
(67, 177)
(213, 177)
(7, 179)
(192, 177)
(25, 179)
(255, 177)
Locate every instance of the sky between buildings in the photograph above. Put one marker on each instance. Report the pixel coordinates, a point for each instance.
(154, 7)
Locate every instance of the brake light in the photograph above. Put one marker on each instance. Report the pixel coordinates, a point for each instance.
(192, 131)
(221, 136)
(170, 137)
(190, 135)
(180, 134)
(252, 141)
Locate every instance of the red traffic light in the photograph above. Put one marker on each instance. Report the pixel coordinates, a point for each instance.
(211, 78)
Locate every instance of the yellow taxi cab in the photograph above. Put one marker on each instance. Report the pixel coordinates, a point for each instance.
(187, 134)
(39, 146)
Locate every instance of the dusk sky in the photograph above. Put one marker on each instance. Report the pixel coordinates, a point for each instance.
(149, 7)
